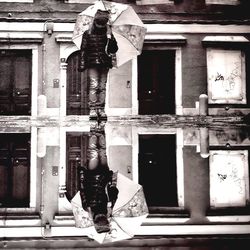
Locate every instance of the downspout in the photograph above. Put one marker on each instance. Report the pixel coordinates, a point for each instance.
(42, 105)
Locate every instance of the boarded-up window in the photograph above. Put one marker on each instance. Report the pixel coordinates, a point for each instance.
(226, 76)
(15, 82)
(77, 95)
(229, 178)
(77, 145)
(14, 170)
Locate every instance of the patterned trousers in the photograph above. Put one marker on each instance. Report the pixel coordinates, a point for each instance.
(97, 78)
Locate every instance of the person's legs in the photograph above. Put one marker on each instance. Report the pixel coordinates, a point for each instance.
(103, 74)
(102, 151)
(93, 83)
(92, 152)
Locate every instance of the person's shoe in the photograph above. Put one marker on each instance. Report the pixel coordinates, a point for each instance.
(101, 113)
(93, 114)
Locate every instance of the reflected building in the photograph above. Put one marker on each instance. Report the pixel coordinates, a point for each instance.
(190, 154)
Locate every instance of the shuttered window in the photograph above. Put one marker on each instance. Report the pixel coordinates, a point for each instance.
(15, 82)
(77, 144)
(77, 95)
(14, 170)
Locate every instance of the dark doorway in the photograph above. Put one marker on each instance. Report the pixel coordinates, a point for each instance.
(14, 170)
(156, 82)
(15, 82)
(77, 95)
(157, 169)
(77, 145)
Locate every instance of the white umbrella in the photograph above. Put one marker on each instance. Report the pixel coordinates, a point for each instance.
(126, 26)
(129, 211)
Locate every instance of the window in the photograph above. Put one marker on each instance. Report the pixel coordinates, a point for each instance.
(77, 95)
(156, 82)
(14, 170)
(76, 151)
(226, 76)
(15, 82)
(157, 173)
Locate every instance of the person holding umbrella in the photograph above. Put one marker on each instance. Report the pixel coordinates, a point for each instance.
(98, 48)
(97, 187)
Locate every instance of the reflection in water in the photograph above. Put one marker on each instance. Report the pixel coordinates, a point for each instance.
(204, 160)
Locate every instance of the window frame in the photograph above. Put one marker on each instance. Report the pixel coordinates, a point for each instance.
(179, 158)
(34, 69)
(32, 130)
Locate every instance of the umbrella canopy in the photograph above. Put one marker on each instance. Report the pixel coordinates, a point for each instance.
(127, 216)
(126, 26)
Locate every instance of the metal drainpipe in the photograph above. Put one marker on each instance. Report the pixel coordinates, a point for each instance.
(43, 93)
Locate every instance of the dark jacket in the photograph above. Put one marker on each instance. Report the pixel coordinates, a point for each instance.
(97, 188)
(96, 50)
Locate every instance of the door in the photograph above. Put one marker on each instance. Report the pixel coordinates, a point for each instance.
(77, 94)
(157, 169)
(14, 170)
(77, 145)
(156, 82)
(15, 82)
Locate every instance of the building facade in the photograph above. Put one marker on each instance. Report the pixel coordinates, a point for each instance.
(174, 122)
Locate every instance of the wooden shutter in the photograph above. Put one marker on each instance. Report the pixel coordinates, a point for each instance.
(77, 144)
(14, 170)
(15, 82)
(77, 95)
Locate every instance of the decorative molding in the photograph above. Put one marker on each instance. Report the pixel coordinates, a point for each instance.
(223, 2)
(20, 37)
(150, 2)
(16, 1)
(225, 40)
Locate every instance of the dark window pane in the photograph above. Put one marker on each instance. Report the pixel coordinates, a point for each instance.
(157, 169)
(156, 82)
